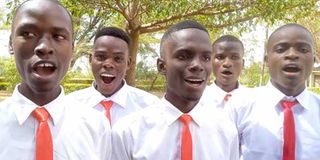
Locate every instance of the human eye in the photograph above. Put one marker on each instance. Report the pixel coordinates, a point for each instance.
(27, 34)
(182, 55)
(206, 58)
(280, 49)
(59, 37)
(219, 57)
(118, 59)
(99, 57)
(304, 49)
(234, 57)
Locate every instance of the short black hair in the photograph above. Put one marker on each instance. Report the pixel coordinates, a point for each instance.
(227, 38)
(114, 32)
(187, 24)
(54, 1)
(288, 26)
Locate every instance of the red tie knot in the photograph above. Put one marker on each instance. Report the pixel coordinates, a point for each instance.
(106, 104)
(226, 97)
(185, 119)
(288, 104)
(41, 114)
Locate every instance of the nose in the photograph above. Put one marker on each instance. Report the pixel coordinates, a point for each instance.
(292, 54)
(108, 63)
(44, 46)
(227, 62)
(196, 65)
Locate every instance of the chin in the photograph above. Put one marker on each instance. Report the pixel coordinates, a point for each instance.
(192, 97)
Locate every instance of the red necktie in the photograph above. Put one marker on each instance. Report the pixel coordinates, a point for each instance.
(226, 97)
(288, 152)
(186, 138)
(44, 147)
(107, 106)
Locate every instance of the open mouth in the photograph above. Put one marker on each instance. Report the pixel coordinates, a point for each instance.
(44, 68)
(291, 68)
(226, 72)
(194, 81)
(107, 78)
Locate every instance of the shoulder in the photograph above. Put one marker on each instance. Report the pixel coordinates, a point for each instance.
(6, 107)
(143, 96)
(314, 98)
(138, 121)
(81, 92)
(86, 116)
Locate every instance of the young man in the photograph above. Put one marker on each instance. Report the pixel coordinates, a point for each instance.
(109, 93)
(227, 65)
(281, 121)
(37, 121)
(180, 126)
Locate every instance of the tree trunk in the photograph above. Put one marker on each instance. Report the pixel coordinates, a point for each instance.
(131, 73)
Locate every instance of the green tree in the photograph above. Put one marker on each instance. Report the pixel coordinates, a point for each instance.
(145, 16)
(9, 72)
(251, 75)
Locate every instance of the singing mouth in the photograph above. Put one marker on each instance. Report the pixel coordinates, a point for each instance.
(291, 68)
(226, 72)
(107, 78)
(194, 81)
(44, 68)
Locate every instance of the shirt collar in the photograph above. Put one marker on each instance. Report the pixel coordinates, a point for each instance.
(121, 96)
(277, 96)
(23, 107)
(218, 92)
(95, 96)
(174, 113)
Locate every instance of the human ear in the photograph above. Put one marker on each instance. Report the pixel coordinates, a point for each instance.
(161, 66)
(10, 46)
(266, 60)
(128, 63)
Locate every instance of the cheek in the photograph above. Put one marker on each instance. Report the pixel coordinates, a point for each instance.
(121, 68)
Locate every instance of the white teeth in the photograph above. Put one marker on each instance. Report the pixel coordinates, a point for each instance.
(107, 75)
(194, 80)
(45, 65)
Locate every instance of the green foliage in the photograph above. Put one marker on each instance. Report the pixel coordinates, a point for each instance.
(149, 79)
(75, 80)
(251, 76)
(314, 89)
(147, 16)
(9, 72)
(70, 87)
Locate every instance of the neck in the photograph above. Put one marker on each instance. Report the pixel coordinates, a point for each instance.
(228, 88)
(184, 104)
(289, 90)
(38, 97)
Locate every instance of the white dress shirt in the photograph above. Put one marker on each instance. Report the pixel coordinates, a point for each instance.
(155, 134)
(215, 94)
(260, 125)
(78, 133)
(126, 100)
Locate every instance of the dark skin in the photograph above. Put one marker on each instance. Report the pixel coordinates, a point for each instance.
(186, 63)
(41, 43)
(109, 64)
(227, 64)
(290, 59)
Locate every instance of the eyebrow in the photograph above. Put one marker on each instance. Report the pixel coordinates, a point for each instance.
(34, 26)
